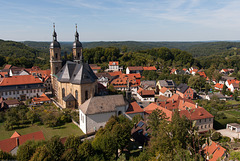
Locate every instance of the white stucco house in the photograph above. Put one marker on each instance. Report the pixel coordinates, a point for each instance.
(96, 111)
(146, 95)
(165, 92)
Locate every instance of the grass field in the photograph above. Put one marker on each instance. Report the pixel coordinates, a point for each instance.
(232, 113)
(62, 131)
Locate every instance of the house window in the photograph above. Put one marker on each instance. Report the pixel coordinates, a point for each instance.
(201, 127)
(200, 121)
(78, 55)
(76, 95)
(205, 126)
(205, 120)
(86, 95)
(209, 125)
(209, 119)
(63, 92)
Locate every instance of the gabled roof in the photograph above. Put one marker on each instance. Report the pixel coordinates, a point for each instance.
(12, 102)
(76, 73)
(7, 66)
(218, 85)
(20, 80)
(149, 68)
(15, 134)
(182, 88)
(215, 150)
(42, 98)
(116, 73)
(196, 114)
(94, 67)
(135, 68)
(151, 107)
(134, 108)
(102, 104)
(148, 83)
(163, 89)
(113, 63)
(69, 97)
(167, 83)
(104, 75)
(8, 145)
(144, 92)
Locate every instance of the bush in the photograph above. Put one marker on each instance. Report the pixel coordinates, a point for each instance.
(216, 136)
(224, 139)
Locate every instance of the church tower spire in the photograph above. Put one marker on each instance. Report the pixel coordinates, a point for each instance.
(55, 56)
(77, 48)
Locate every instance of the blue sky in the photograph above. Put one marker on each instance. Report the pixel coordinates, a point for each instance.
(120, 20)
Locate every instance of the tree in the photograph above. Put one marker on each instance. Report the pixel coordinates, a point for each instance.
(55, 147)
(32, 116)
(85, 150)
(6, 156)
(235, 94)
(136, 118)
(155, 119)
(197, 82)
(224, 89)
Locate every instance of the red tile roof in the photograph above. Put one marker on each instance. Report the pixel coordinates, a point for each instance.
(151, 107)
(134, 108)
(218, 85)
(149, 68)
(42, 98)
(8, 145)
(215, 150)
(163, 89)
(94, 67)
(173, 70)
(143, 92)
(3, 74)
(121, 81)
(136, 75)
(20, 80)
(7, 66)
(202, 74)
(113, 63)
(196, 114)
(115, 73)
(42, 72)
(233, 81)
(194, 70)
(135, 68)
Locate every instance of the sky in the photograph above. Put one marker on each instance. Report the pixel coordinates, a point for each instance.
(120, 20)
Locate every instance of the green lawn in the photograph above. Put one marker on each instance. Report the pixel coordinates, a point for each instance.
(232, 102)
(62, 131)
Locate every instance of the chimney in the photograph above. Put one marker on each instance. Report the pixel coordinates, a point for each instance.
(17, 142)
(196, 105)
(173, 100)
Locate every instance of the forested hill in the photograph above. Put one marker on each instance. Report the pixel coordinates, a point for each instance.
(197, 49)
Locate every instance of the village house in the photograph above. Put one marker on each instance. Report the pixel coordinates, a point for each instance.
(185, 91)
(146, 95)
(165, 92)
(21, 87)
(148, 85)
(214, 151)
(95, 68)
(232, 85)
(5, 104)
(40, 100)
(134, 109)
(11, 145)
(170, 84)
(134, 69)
(218, 86)
(114, 66)
(151, 68)
(225, 78)
(187, 108)
(121, 83)
(96, 111)
(105, 78)
(140, 132)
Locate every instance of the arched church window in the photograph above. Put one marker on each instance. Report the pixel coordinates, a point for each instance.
(86, 95)
(78, 55)
(76, 95)
(63, 92)
(56, 55)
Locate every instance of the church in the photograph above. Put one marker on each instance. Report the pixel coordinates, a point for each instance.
(75, 82)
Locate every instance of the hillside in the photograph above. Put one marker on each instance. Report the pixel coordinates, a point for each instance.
(197, 49)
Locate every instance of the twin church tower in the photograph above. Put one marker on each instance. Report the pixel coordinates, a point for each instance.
(75, 82)
(55, 52)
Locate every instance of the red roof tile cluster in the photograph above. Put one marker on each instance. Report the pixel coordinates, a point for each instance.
(215, 150)
(7, 66)
(194, 71)
(15, 135)
(116, 73)
(150, 68)
(183, 105)
(202, 74)
(218, 85)
(143, 92)
(2, 74)
(231, 81)
(113, 63)
(163, 89)
(43, 73)
(153, 106)
(121, 81)
(8, 145)
(42, 98)
(20, 80)
(134, 108)
(135, 68)
(94, 67)
(173, 70)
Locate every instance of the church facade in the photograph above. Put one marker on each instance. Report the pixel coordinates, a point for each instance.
(75, 82)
